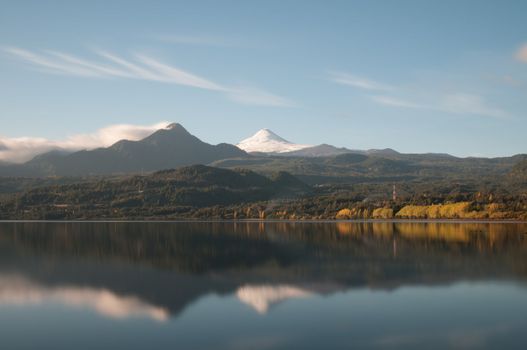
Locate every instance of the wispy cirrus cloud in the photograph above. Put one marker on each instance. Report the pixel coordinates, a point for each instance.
(143, 67)
(358, 82)
(96, 69)
(463, 103)
(20, 149)
(250, 95)
(54, 65)
(178, 76)
(396, 102)
(455, 103)
(403, 97)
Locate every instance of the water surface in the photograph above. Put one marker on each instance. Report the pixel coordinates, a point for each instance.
(263, 286)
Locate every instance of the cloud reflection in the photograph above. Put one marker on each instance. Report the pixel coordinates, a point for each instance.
(19, 291)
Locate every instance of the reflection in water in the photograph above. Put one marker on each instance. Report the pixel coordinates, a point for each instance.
(450, 232)
(261, 297)
(17, 290)
(262, 264)
(170, 271)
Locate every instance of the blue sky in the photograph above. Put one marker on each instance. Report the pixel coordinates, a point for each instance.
(416, 76)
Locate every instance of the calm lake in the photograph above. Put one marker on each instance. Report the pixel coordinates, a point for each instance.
(333, 285)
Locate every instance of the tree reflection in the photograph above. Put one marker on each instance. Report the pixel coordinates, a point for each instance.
(165, 266)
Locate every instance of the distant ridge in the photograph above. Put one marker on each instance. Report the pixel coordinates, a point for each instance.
(266, 142)
(173, 147)
(323, 150)
(166, 148)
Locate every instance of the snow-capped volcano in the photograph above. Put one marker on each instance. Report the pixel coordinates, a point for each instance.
(267, 141)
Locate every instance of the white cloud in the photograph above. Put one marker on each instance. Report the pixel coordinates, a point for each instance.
(135, 71)
(178, 76)
(521, 54)
(396, 102)
(461, 103)
(144, 68)
(96, 68)
(20, 149)
(359, 82)
(456, 103)
(55, 66)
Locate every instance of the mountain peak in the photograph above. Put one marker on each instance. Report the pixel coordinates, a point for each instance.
(175, 126)
(265, 140)
(268, 134)
(169, 132)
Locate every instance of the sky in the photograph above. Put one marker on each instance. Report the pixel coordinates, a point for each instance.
(416, 76)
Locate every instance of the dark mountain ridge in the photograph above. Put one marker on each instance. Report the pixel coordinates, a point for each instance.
(166, 148)
(174, 147)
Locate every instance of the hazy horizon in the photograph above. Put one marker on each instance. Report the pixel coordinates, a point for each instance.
(414, 76)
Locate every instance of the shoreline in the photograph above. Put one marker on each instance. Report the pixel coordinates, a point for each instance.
(263, 221)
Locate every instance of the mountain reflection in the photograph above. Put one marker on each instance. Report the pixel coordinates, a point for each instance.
(155, 270)
(261, 297)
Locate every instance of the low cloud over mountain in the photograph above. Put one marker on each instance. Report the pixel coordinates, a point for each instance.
(21, 149)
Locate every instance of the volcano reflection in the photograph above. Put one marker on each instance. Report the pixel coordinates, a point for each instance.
(156, 270)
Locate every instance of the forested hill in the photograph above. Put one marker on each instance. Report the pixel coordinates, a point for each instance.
(163, 192)
(360, 168)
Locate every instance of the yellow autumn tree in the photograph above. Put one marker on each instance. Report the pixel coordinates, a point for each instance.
(382, 213)
(344, 214)
(454, 210)
(412, 212)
